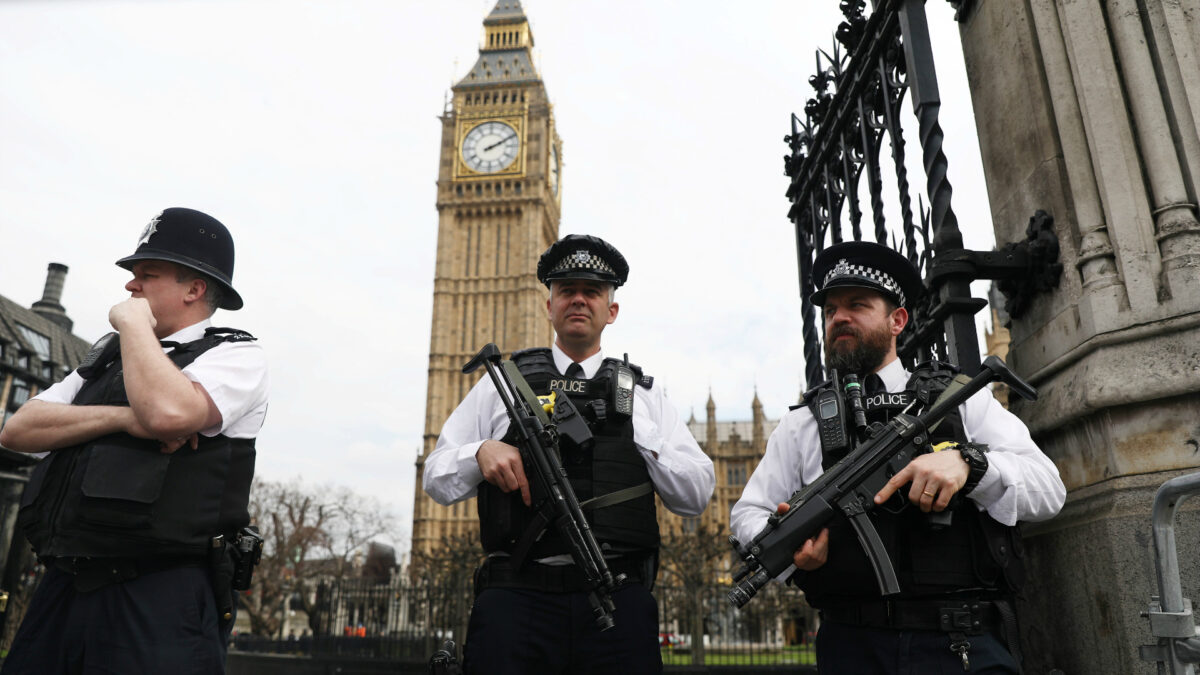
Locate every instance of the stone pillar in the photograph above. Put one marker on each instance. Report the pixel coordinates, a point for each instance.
(1089, 110)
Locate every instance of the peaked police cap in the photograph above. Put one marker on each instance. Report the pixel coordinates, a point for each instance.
(582, 256)
(193, 239)
(865, 264)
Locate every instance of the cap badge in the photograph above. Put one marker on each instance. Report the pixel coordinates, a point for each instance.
(842, 268)
(151, 228)
(582, 258)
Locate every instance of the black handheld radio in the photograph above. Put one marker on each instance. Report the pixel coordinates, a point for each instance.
(623, 391)
(831, 417)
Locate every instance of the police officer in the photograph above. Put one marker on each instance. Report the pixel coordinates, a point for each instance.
(149, 454)
(531, 614)
(989, 475)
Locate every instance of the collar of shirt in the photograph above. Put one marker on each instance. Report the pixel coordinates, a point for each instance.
(894, 376)
(590, 365)
(190, 333)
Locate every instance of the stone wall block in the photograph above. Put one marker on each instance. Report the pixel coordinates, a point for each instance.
(1099, 554)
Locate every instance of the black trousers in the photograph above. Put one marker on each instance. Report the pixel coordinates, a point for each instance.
(843, 648)
(519, 632)
(164, 622)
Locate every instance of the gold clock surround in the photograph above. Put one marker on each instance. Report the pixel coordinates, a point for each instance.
(466, 125)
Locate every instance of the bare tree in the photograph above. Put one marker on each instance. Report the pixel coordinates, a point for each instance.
(689, 562)
(446, 575)
(311, 534)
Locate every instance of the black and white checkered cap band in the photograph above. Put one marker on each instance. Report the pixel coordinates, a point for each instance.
(582, 260)
(870, 274)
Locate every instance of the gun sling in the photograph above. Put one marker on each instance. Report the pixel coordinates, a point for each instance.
(534, 532)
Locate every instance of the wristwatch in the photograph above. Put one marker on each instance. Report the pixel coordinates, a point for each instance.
(975, 455)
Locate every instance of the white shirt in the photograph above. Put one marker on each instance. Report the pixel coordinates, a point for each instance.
(682, 474)
(1021, 483)
(233, 373)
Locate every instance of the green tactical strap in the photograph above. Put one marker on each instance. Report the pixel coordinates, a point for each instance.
(957, 383)
(525, 391)
(618, 496)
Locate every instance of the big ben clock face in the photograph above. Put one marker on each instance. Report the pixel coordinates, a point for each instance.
(491, 147)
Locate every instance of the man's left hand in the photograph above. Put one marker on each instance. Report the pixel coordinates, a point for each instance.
(131, 312)
(935, 477)
(169, 447)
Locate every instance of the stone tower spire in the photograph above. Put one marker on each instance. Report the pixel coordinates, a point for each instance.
(710, 430)
(759, 422)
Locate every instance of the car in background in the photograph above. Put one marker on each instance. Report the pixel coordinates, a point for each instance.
(670, 640)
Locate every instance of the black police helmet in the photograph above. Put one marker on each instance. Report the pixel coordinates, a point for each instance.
(582, 256)
(192, 239)
(865, 264)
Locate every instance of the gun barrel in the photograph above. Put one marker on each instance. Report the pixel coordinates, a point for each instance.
(743, 592)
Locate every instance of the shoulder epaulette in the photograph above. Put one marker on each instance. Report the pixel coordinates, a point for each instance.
(643, 379)
(229, 334)
(807, 396)
(532, 353)
(529, 352)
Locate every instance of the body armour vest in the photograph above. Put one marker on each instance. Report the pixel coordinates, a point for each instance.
(118, 495)
(975, 556)
(613, 463)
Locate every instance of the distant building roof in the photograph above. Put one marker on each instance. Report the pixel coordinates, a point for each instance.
(501, 67)
(62, 347)
(505, 11)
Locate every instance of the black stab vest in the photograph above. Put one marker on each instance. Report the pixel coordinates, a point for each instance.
(613, 463)
(118, 496)
(975, 556)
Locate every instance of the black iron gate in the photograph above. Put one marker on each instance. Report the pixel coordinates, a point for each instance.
(837, 166)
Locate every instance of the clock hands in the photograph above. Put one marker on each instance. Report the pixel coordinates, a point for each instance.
(502, 140)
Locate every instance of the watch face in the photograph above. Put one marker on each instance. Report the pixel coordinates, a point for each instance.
(554, 171)
(491, 147)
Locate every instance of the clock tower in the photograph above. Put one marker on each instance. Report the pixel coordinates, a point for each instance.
(498, 198)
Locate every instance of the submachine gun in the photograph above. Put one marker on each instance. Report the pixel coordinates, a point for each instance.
(538, 434)
(849, 487)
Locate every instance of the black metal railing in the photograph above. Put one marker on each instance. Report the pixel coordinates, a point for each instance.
(878, 62)
(407, 620)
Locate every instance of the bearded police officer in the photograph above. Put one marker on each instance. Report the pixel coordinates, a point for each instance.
(146, 477)
(954, 578)
(534, 617)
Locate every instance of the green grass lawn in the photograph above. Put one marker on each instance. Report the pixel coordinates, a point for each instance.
(762, 657)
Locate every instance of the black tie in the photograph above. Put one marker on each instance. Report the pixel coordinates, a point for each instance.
(574, 370)
(873, 385)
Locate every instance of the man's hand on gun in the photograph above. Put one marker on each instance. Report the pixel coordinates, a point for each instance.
(814, 552)
(501, 466)
(935, 476)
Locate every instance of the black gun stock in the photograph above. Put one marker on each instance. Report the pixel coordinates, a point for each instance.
(849, 487)
(538, 441)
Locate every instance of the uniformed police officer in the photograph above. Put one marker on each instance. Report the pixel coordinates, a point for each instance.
(149, 456)
(532, 615)
(954, 579)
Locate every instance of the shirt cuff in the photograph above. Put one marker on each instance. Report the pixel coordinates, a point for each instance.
(468, 465)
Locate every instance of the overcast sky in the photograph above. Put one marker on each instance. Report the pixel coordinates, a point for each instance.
(310, 129)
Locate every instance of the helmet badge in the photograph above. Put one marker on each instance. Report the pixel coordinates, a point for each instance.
(151, 228)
